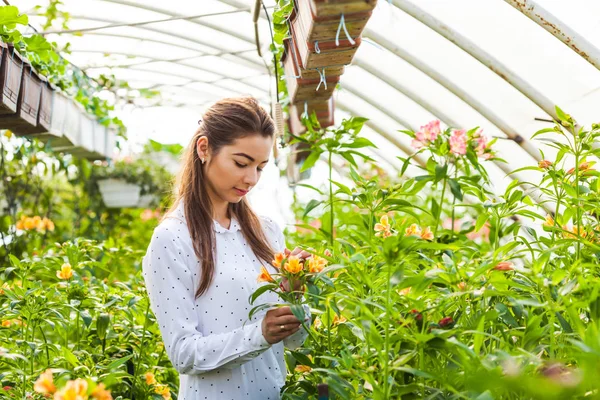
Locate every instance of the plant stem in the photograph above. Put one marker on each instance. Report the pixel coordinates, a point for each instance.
(135, 371)
(454, 197)
(330, 199)
(441, 205)
(386, 388)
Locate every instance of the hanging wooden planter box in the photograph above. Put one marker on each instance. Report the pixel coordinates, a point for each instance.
(85, 148)
(60, 104)
(327, 8)
(111, 143)
(324, 111)
(325, 53)
(11, 72)
(327, 27)
(28, 103)
(292, 64)
(71, 125)
(41, 130)
(300, 89)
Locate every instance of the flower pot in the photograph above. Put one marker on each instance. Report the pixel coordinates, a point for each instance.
(28, 104)
(301, 89)
(147, 200)
(325, 27)
(324, 111)
(118, 193)
(11, 72)
(85, 143)
(329, 8)
(56, 137)
(321, 53)
(42, 130)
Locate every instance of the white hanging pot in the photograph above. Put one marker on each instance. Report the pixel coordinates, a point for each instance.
(118, 193)
(146, 200)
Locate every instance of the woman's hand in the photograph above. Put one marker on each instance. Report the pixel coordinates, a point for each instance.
(278, 324)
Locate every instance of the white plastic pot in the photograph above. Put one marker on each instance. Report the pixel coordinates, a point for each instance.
(118, 193)
(146, 200)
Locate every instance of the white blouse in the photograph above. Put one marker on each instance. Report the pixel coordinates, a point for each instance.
(219, 353)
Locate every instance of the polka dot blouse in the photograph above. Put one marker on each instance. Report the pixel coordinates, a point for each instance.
(219, 353)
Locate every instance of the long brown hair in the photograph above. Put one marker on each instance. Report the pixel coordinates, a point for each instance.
(223, 123)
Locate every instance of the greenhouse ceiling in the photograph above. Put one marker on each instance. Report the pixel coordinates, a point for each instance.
(499, 64)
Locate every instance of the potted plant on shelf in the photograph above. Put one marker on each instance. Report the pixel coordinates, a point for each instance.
(131, 182)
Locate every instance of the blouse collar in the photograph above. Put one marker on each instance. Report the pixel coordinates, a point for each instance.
(234, 226)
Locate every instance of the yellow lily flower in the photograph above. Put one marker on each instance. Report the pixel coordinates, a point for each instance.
(293, 266)
(383, 228)
(45, 383)
(316, 264)
(100, 393)
(427, 234)
(413, 230)
(66, 272)
(264, 276)
(303, 368)
(279, 257)
(150, 380)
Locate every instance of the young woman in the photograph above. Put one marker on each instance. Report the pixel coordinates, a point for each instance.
(205, 256)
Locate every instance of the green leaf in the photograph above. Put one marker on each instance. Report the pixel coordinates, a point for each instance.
(117, 363)
(15, 261)
(70, 357)
(359, 143)
(312, 204)
(440, 172)
(9, 18)
(262, 289)
(455, 189)
(311, 160)
(298, 311)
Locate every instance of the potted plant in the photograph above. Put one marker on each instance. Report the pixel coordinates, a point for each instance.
(131, 182)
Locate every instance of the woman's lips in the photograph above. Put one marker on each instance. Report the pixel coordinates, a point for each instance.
(240, 191)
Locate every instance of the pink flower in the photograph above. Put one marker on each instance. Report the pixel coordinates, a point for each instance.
(480, 142)
(147, 215)
(458, 142)
(426, 134)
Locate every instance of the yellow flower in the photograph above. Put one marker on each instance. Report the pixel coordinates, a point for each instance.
(20, 224)
(427, 234)
(66, 272)
(29, 223)
(73, 390)
(413, 230)
(100, 393)
(264, 276)
(8, 133)
(39, 223)
(293, 266)
(317, 324)
(45, 383)
(549, 220)
(462, 286)
(163, 390)
(6, 323)
(316, 264)
(302, 368)
(150, 380)
(383, 228)
(279, 257)
(405, 291)
(47, 224)
(339, 320)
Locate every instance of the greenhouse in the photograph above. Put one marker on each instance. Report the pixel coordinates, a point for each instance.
(299, 199)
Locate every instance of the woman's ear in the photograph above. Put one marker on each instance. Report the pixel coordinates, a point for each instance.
(202, 148)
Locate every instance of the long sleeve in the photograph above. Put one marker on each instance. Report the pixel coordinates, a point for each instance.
(278, 240)
(171, 290)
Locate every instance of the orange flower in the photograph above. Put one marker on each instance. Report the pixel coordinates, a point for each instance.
(100, 393)
(4, 286)
(163, 390)
(338, 320)
(584, 166)
(278, 260)
(73, 390)
(29, 224)
(47, 224)
(549, 220)
(264, 276)
(504, 266)
(316, 264)
(66, 272)
(39, 223)
(427, 234)
(6, 323)
(303, 368)
(383, 228)
(413, 230)
(405, 291)
(150, 380)
(462, 286)
(20, 225)
(318, 323)
(544, 164)
(293, 265)
(45, 383)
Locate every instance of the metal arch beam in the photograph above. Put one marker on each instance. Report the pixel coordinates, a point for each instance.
(436, 112)
(559, 29)
(242, 59)
(377, 127)
(172, 73)
(199, 53)
(195, 22)
(494, 64)
(459, 92)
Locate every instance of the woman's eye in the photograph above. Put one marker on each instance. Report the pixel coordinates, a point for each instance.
(259, 169)
(239, 165)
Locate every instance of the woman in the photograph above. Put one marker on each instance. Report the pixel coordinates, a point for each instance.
(202, 263)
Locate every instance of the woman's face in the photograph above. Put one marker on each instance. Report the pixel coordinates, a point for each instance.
(235, 169)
